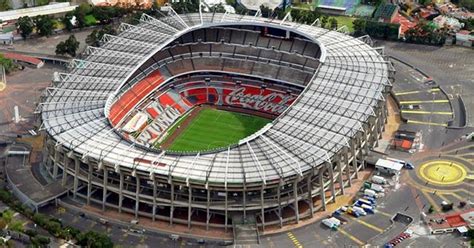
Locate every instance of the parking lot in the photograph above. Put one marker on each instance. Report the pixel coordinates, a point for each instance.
(375, 228)
(421, 100)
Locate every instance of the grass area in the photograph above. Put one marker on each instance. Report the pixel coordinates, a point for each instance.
(306, 6)
(58, 24)
(345, 20)
(214, 128)
(42, 2)
(90, 20)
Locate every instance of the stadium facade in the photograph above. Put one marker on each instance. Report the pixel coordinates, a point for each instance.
(287, 171)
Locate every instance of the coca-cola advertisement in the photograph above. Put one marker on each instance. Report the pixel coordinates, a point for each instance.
(264, 100)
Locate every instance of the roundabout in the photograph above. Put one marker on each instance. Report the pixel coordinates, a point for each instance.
(442, 172)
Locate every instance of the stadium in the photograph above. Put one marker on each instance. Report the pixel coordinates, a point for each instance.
(216, 120)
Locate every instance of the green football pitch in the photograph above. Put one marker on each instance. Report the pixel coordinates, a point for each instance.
(213, 128)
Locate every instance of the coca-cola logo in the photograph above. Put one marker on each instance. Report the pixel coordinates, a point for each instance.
(273, 102)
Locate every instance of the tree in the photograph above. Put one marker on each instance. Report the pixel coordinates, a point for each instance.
(25, 25)
(66, 20)
(6, 63)
(93, 239)
(44, 25)
(94, 38)
(5, 5)
(7, 216)
(324, 20)
(68, 46)
(266, 11)
(430, 210)
(468, 24)
(359, 27)
(188, 6)
(468, 4)
(333, 23)
(218, 8)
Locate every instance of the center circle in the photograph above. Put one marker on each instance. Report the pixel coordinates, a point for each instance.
(442, 172)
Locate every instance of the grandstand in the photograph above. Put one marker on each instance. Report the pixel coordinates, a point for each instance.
(324, 91)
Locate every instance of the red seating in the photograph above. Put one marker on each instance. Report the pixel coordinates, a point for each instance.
(135, 94)
(152, 112)
(166, 100)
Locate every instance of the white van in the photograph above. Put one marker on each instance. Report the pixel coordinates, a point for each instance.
(379, 180)
(332, 222)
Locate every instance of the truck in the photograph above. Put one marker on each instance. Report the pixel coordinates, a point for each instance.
(370, 193)
(406, 164)
(379, 180)
(332, 223)
(373, 186)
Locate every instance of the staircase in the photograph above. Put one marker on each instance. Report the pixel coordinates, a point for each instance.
(245, 231)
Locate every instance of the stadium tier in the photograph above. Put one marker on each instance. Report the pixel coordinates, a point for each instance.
(324, 90)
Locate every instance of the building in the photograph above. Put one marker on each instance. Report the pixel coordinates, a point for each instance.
(51, 9)
(255, 4)
(386, 12)
(459, 221)
(448, 22)
(277, 176)
(465, 38)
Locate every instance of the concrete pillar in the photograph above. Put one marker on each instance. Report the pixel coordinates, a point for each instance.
(225, 210)
(295, 195)
(208, 203)
(137, 195)
(331, 181)
(120, 192)
(77, 164)
(154, 199)
(348, 168)
(190, 195)
(262, 212)
(354, 156)
(104, 191)
(366, 140)
(55, 164)
(310, 188)
(375, 134)
(172, 204)
(321, 188)
(65, 165)
(279, 204)
(244, 194)
(89, 184)
(339, 170)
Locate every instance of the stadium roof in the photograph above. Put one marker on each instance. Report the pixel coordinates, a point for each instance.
(331, 110)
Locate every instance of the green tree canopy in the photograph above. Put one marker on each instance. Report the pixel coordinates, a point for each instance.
(25, 24)
(333, 23)
(66, 20)
(359, 27)
(94, 240)
(44, 25)
(5, 5)
(6, 63)
(68, 46)
(94, 38)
